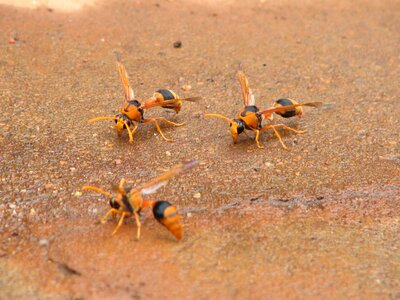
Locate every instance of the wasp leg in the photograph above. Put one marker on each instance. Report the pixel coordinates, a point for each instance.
(154, 120)
(170, 122)
(278, 135)
(119, 223)
(279, 138)
(258, 138)
(111, 211)
(135, 127)
(139, 225)
(291, 129)
(129, 132)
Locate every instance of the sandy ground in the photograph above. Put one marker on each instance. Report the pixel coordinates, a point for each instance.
(319, 221)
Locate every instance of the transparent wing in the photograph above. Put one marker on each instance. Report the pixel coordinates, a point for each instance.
(158, 182)
(123, 76)
(154, 102)
(252, 99)
(244, 85)
(288, 107)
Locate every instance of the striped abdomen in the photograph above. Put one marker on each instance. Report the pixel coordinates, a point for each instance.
(297, 111)
(167, 215)
(164, 94)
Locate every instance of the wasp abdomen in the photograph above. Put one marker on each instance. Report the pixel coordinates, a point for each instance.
(286, 102)
(167, 94)
(167, 215)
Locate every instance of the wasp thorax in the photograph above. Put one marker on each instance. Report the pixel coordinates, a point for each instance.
(132, 110)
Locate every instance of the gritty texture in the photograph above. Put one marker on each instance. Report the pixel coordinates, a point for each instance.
(318, 221)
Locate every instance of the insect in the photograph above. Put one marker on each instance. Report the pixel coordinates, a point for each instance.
(128, 201)
(251, 118)
(132, 111)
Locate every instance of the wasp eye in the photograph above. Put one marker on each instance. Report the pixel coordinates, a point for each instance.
(114, 204)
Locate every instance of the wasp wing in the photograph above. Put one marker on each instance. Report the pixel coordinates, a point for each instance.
(123, 76)
(244, 85)
(155, 102)
(158, 182)
(285, 108)
(252, 99)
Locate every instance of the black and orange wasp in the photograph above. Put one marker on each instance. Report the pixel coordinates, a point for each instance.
(132, 110)
(128, 201)
(251, 118)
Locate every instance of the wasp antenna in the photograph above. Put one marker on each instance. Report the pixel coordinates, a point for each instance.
(219, 116)
(101, 119)
(96, 189)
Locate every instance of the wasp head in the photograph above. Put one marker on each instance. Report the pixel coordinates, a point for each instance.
(114, 203)
(236, 128)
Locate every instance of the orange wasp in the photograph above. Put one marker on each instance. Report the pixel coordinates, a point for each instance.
(250, 117)
(129, 202)
(132, 110)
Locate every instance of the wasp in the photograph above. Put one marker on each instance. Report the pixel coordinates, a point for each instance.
(128, 201)
(132, 111)
(251, 118)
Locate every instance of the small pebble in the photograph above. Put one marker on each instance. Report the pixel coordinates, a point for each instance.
(118, 161)
(78, 193)
(178, 44)
(189, 215)
(197, 195)
(269, 165)
(32, 211)
(297, 158)
(186, 87)
(12, 206)
(49, 186)
(168, 153)
(43, 242)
